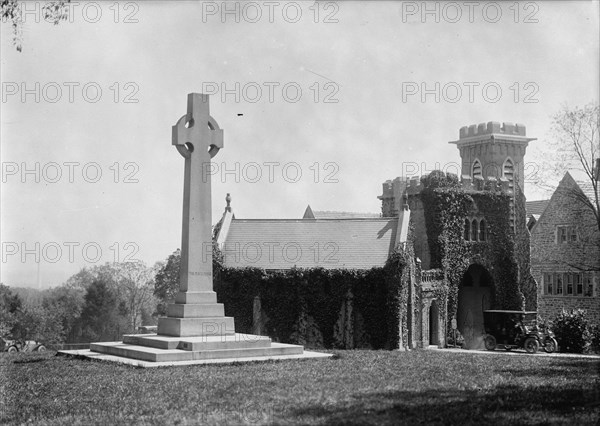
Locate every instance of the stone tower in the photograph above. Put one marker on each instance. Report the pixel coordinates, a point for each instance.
(494, 150)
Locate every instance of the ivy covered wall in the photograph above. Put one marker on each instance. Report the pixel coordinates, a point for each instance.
(344, 308)
(330, 308)
(446, 204)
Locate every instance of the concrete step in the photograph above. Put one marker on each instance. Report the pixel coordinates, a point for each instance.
(198, 343)
(170, 355)
(204, 310)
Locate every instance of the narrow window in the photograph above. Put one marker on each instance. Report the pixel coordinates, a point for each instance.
(549, 283)
(508, 171)
(570, 284)
(559, 284)
(589, 286)
(578, 285)
(561, 235)
(467, 229)
(572, 234)
(474, 230)
(476, 169)
(482, 230)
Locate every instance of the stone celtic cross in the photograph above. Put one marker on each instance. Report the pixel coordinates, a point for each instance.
(198, 138)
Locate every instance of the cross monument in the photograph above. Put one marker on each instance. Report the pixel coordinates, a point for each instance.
(196, 329)
(198, 138)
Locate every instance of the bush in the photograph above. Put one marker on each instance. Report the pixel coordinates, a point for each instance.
(572, 331)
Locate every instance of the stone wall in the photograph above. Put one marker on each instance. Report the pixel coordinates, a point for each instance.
(550, 306)
(549, 256)
(421, 242)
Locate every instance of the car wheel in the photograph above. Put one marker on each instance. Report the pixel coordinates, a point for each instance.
(531, 345)
(490, 342)
(41, 348)
(551, 345)
(12, 349)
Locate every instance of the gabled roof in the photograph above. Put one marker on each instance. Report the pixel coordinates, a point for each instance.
(588, 189)
(536, 207)
(309, 243)
(570, 186)
(308, 213)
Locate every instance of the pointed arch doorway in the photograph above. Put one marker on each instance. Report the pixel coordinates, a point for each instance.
(475, 294)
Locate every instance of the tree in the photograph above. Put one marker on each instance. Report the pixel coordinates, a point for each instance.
(67, 304)
(39, 324)
(52, 11)
(82, 279)
(135, 282)
(166, 283)
(99, 316)
(575, 147)
(131, 283)
(10, 304)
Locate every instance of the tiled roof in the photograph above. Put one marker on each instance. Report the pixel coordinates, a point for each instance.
(307, 243)
(536, 207)
(588, 189)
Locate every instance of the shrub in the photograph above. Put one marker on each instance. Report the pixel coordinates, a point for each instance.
(571, 330)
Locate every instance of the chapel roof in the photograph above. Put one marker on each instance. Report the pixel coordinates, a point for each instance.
(536, 207)
(309, 243)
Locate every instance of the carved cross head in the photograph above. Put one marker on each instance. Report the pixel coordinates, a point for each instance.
(197, 132)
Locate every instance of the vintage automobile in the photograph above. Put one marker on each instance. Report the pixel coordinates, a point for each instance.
(12, 346)
(516, 329)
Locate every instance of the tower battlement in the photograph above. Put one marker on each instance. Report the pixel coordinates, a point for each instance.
(413, 185)
(395, 190)
(492, 127)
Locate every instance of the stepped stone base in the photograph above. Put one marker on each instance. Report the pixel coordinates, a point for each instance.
(147, 364)
(147, 349)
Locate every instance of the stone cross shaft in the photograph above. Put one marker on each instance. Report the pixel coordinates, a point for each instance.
(198, 138)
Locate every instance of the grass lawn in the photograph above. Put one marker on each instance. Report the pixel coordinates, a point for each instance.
(357, 387)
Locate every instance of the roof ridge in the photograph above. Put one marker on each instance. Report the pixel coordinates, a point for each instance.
(318, 219)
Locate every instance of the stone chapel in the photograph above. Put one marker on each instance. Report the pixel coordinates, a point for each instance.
(467, 235)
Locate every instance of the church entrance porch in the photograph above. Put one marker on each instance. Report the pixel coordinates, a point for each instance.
(474, 296)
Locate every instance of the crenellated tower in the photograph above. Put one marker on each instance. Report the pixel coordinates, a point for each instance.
(484, 256)
(494, 150)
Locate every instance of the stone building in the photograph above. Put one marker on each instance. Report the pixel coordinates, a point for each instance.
(469, 238)
(487, 266)
(565, 252)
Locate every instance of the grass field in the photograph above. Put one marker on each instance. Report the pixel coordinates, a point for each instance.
(356, 387)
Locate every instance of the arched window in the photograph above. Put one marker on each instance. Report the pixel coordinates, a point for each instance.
(474, 229)
(467, 229)
(508, 171)
(476, 169)
(482, 230)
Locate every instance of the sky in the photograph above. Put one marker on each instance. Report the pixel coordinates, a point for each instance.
(320, 104)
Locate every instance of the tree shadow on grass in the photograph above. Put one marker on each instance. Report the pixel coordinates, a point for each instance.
(501, 405)
(559, 369)
(29, 360)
